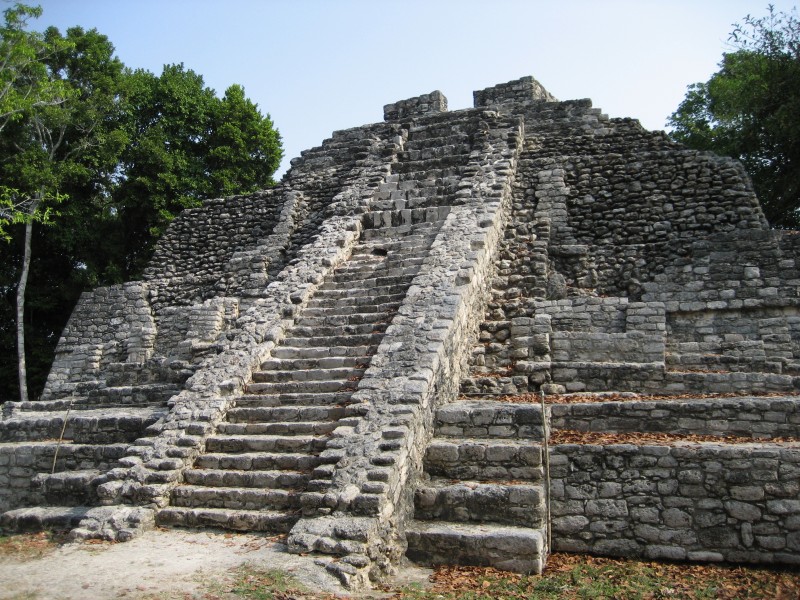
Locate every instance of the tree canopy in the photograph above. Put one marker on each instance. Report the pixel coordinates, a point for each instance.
(749, 110)
(123, 151)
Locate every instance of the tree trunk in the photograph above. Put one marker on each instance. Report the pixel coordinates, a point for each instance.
(23, 283)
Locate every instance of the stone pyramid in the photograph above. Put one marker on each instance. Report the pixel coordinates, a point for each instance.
(356, 357)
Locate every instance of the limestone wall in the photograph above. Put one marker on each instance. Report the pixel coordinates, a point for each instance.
(109, 325)
(696, 502)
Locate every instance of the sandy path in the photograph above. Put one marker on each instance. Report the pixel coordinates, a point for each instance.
(158, 562)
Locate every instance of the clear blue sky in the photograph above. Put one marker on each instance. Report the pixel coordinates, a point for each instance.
(321, 65)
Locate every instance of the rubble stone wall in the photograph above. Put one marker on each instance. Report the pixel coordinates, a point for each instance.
(189, 262)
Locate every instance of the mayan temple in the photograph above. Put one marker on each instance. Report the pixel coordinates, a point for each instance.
(377, 356)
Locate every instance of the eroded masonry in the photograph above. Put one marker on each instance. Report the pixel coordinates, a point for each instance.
(355, 357)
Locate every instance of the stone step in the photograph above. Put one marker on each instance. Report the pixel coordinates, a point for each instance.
(194, 496)
(265, 443)
(518, 549)
(443, 165)
(246, 478)
(258, 461)
(308, 375)
(84, 426)
(358, 291)
(406, 238)
(411, 239)
(372, 262)
(68, 488)
(290, 428)
(254, 400)
(379, 283)
(375, 277)
(39, 518)
(285, 414)
(482, 386)
(367, 339)
(326, 311)
(402, 216)
(346, 319)
(309, 352)
(326, 362)
(396, 217)
(222, 518)
(483, 459)
(481, 419)
(337, 331)
(133, 395)
(72, 456)
(386, 250)
(406, 243)
(475, 501)
(300, 387)
(363, 302)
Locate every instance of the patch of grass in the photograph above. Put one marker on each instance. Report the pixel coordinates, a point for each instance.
(248, 582)
(29, 546)
(257, 584)
(571, 577)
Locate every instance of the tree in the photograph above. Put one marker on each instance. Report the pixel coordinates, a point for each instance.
(24, 85)
(187, 145)
(124, 152)
(244, 149)
(30, 95)
(748, 110)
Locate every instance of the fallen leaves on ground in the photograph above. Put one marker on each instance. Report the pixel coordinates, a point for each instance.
(587, 398)
(570, 577)
(27, 546)
(570, 436)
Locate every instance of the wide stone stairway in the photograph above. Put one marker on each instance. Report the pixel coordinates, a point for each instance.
(275, 445)
(483, 497)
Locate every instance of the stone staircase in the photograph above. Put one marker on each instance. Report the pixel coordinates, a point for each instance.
(272, 452)
(58, 474)
(483, 497)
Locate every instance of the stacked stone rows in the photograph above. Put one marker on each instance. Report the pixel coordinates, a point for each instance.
(191, 257)
(325, 171)
(757, 418)
(481, 500)
(699, 502)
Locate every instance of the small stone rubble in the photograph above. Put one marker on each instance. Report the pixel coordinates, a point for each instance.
(333, 358)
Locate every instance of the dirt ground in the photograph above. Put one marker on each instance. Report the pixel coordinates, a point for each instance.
(160, 563)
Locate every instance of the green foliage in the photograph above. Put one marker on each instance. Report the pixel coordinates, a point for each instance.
(244, 149)
(748, 110)
(186, 145)
(15, 209)
(123, 152)
(27, 90)
(24, 84)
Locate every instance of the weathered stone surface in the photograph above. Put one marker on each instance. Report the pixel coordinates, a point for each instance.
(293, 359)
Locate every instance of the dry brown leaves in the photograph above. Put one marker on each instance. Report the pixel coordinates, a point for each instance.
(683, 578)
(677, 580)
(624, 397)
(569, 436)
(27, 546)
